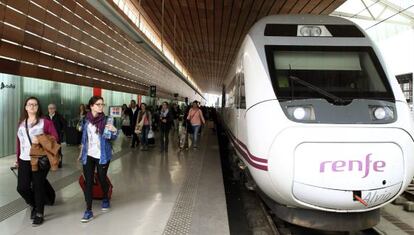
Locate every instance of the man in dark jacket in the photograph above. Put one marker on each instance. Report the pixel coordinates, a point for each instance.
(133, 114)
(60, 124)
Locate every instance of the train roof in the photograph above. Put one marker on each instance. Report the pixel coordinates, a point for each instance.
(259, 27)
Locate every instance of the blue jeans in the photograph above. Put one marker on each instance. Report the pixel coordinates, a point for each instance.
(196, 129)
(144, 135)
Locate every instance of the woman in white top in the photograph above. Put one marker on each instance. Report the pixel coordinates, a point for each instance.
(126, 122)
(96, 153)
(32, 185)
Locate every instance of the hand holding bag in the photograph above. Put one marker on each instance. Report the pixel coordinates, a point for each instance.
(43, 161)
(138, 128)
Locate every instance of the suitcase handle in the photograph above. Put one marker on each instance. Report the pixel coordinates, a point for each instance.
(13, 168)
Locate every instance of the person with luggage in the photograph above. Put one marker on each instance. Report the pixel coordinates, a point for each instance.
(155, 113)
(196, 119)
(143, 125)
(166, 121)
(187, 130)
(96, 153)
(176, 112)
(60, 125)
(33, 186)
(133, 114)
(182, 133)
(126, 122)
(82, 115)
(79, 124)
(82, 111)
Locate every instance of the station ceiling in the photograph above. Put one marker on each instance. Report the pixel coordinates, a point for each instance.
(206, 34)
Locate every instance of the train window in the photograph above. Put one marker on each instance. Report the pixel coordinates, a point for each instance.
(242, 95)
(315, 60)
(237, 91)
(291, 30)
(301, 72)
(231, 94)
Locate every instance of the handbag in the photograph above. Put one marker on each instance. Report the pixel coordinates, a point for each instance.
(150, 134)
(43, 161)
(125, 121)
(138, 129)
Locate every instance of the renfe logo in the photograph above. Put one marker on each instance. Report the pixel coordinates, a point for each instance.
(353, 165)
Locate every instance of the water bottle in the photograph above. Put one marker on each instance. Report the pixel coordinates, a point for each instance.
(107, 132)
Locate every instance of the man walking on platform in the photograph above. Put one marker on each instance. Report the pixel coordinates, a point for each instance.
(133, 114)
(60, 124)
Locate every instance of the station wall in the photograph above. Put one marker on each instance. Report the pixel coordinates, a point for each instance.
(67, 97)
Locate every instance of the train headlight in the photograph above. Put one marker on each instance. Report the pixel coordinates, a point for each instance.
(310, 31)
(305, 31)
(299, 113)
(316, 31)
(302, 113)
(381, 113)
(313, 31)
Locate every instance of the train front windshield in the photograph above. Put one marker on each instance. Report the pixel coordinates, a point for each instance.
(331, 73)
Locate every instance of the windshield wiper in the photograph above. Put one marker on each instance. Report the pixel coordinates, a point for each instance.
(321, 91)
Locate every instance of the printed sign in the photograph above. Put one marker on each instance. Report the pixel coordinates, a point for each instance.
(115, 111)
(349, 166)
(356, 165)
(5, 86)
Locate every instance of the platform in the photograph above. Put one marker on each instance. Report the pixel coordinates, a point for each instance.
(154, 193)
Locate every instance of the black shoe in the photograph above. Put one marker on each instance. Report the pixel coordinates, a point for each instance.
(33, 213)
(37, 221)
(60, 164)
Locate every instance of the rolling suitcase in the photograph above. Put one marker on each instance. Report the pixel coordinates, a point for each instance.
(97, 192)
(49, 190)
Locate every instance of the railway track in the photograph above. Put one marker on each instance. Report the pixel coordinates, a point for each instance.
(280, 227)
(262, 221)
(283, 228)
(409, 192)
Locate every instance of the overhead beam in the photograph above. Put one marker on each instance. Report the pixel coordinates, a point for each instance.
(367, 8)
(361, 17)
(397, 8)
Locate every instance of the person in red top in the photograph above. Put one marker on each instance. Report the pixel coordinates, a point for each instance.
(32, 185)
(196, 118)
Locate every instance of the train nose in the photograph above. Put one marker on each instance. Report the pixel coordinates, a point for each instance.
(347, 176)
(334, 170)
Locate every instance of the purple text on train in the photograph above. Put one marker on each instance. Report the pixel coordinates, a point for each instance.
(353, 165)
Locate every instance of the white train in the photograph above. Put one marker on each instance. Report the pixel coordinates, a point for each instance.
(322, 126)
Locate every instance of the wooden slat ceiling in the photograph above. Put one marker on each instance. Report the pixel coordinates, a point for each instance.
(70, 41)
(214, 29)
